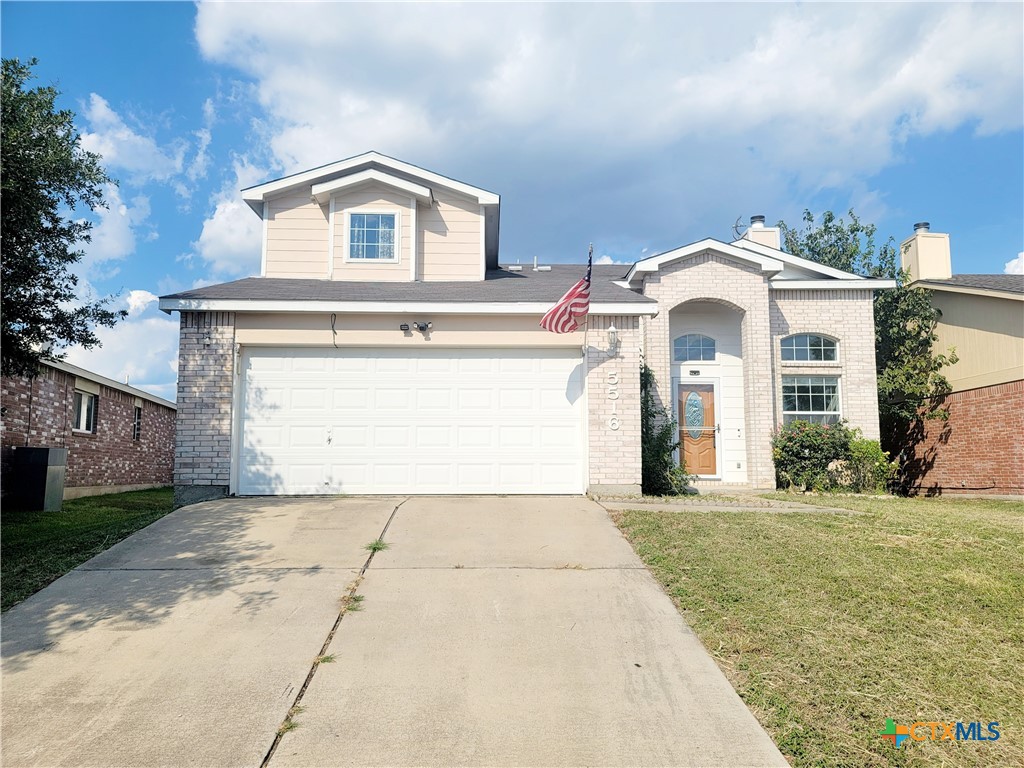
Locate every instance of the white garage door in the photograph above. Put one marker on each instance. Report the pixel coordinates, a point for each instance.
(398, 421)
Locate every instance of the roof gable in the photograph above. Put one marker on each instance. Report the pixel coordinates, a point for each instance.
(388, 168)
(804, 268)
(766, 264)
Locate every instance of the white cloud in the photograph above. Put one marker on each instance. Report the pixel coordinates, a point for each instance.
(123, 148)
(138, 300)
(231, 237)
(1015, 266)
(114, 232)
(143, 348)
(831, 88)
(702, 111)
(606, 259)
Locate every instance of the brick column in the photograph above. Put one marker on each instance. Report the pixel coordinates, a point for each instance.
(613, 413)
(202, 451)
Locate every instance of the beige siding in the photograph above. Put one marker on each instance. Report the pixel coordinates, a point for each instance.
(296, 237)
(381, 200)
(450, 241)
(988, 334)
(278, 329)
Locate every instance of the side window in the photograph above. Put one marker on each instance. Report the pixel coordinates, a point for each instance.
(137, 423)
(809, 347)
(84, 419)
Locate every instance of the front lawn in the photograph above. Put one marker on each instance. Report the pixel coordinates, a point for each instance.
(829, 623)
(38, 547)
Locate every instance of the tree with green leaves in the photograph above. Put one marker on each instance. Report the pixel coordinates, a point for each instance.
(45, 176)
(910, 380)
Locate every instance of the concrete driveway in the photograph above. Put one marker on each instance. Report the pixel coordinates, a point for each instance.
(494, 631)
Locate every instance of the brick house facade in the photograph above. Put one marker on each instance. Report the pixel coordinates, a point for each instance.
(384, 349)
(118, 453)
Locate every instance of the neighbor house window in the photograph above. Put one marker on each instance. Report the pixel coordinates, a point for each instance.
(85, 412)
(810, 347)
(371, 236)
(137, 423)
(810, 398)
(694, 346)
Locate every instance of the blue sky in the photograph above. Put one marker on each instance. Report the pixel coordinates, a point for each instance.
(636, 127)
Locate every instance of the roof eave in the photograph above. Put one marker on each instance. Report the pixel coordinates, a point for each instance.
(171, 304)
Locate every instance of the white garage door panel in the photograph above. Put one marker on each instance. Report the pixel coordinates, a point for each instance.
(394, 421)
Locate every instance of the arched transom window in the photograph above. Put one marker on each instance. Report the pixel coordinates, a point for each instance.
(693, 346)
(809, 346)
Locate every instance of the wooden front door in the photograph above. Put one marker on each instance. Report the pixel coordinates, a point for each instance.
(698, 433)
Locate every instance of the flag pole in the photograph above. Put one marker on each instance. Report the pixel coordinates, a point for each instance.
(586, 328)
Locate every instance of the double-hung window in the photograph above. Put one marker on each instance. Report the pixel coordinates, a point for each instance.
(84, 418)
(810, 398)
(373, 237)
(137, 423)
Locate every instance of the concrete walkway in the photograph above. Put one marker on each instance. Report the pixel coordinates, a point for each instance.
(494, 631)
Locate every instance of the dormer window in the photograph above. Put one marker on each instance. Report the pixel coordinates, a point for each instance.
(693, 347)
(372, 236)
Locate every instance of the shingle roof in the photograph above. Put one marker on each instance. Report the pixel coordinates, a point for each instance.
(1004, 283)
(501, 285)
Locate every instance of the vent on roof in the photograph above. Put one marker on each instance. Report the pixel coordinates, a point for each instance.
(515, 268)
(542, 269)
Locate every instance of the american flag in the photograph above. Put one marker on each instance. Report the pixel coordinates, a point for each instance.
(567, 313)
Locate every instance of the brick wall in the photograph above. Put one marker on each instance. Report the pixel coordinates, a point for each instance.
(848, 317)
(202, 453)
(711, 277)
(613, 394)
(978, 450)
(38, 412)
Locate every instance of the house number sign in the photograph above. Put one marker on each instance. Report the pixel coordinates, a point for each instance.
(613, 395)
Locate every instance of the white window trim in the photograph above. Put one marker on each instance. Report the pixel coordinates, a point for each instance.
(833, 339)
(712, 361)
(397, 213)
(782, 397)
(83, 413)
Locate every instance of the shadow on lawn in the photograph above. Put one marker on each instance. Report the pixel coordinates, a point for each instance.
(193, 554)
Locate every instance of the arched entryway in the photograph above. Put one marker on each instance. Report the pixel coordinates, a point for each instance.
(706, 338)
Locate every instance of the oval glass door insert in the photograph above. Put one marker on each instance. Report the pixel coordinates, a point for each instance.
(694, 416)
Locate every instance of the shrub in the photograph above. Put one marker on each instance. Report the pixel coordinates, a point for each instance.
(819, 457)
(803, 451)
(869, 466)
(658, 442)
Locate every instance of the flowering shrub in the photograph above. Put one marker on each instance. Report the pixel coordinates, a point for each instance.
(823, 457)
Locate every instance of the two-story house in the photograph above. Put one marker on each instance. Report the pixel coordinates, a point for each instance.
(384, 349)
(978, 448)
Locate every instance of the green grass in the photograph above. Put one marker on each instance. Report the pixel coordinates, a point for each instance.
(38, 547)
(377, 545)
(829, 623)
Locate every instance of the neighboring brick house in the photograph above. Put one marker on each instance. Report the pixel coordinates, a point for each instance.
(119, 437)
(384, 349)
(979, 449)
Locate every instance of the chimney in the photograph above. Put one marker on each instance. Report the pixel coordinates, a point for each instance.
(925, 254)
(759, 233)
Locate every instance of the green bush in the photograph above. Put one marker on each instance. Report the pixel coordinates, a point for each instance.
(870, 468)
(658, 442)
(803, 451)
(822, 457)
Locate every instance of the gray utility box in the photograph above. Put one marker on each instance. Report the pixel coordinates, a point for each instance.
(38, 478)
